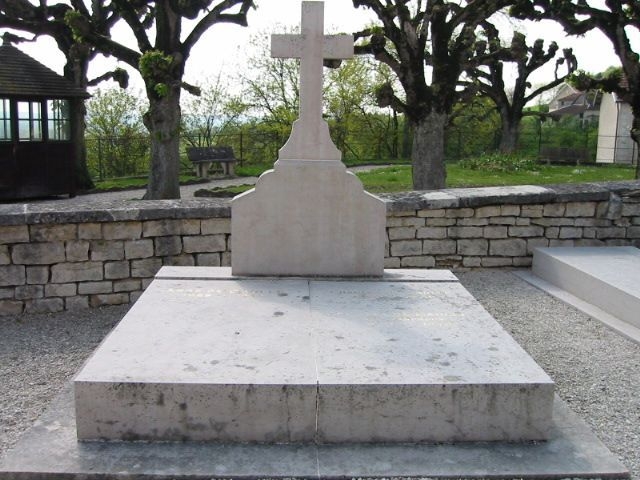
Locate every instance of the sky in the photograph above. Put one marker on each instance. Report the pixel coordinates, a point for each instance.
(226, 48)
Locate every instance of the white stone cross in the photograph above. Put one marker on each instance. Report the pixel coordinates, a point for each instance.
(310, 135)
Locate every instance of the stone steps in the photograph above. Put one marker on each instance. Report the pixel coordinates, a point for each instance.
(606, 277)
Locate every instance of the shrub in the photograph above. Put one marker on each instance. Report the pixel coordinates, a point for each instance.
(499, 162)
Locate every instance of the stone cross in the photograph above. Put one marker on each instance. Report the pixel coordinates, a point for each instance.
(310, 135)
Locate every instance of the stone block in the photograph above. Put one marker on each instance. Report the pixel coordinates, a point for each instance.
(510, 210)
(147, 267)
(38, 253)
(44, 305)
(633, 232)
(612, 209)
(405, 222)
(7, 293)
(128, 285)
(205, 244)
(407, 248)
(77, 250)
(477, 247)
(225, 259)
(208, 259)
(391, 262)
(439, 247)
(37, 275)
(531, 211)
(12, 275)
(432, 232)
(101, 250)
(134, 296)
(570, 232)
(405, 213)
(11, 307)
(459, 212)
(553, 222)
(213, 226)
(628, 210)
(554, 210)
(465, 232)
(472, 222)
(86, 288)
(440, 212)
(623, 222)
(502, 221)
(522, 261)
(440, 222)
(524, 232)
(122, 230)
(448, 261)
(488, 211)
(611, 232)
(27, 292)
(116, 270)
(60, 290)
(593, 242)
(581, 209)
(138, 249)
(495, 262)
(533, 243)
(186, 260)
(90, 231)
(471, 262)
(14, 234)
(145, 282)
(5, 258)
(552, 232)
(495, 231)
(161, 228)
(76, 303)
(418, 262)
(53, 233)
(523, 221)
(167, 245)
(561, 243)
(592, 222)
(101, 300)
(401, 233)
(77, 272)
(513, 247)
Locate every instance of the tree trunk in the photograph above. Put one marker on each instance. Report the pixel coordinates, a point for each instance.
(163, 122)
(635, 135)
(427, 156)
(76, 70)
(509, 136)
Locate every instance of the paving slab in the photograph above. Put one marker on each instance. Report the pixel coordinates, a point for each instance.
(50, 451)
(402, 359)
(606, 277)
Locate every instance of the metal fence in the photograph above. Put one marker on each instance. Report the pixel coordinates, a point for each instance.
(111, 157)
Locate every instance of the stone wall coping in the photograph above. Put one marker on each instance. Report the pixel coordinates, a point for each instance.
(136, 210)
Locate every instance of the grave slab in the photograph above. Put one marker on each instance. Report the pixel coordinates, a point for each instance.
(606, 277)
(400, 359)
(50, 451)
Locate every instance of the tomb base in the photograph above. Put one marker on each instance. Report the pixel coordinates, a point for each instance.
(408, 357)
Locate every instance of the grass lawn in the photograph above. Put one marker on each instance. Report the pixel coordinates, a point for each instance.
(398, 178)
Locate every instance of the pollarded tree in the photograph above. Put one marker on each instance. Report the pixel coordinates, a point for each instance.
(428, 44)
(617, 19)
(489, 80)
(48, 18)
(160, 57)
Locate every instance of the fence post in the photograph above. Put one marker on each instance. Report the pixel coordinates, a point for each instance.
(241, 148)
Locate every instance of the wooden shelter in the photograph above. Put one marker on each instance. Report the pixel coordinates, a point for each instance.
(37, 154)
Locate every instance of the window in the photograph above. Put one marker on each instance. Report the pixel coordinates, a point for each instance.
(5, 120)
(29, 121)
(58, 115)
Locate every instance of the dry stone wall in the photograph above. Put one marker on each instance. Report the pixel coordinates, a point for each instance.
(71, 257)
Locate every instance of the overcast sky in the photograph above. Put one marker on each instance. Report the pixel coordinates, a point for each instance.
(226, 47)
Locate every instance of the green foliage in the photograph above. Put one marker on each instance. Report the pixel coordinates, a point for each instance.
(497, 162)
(155, 68)
(117, 142)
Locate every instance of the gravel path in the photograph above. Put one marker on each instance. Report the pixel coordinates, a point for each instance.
(596, 371)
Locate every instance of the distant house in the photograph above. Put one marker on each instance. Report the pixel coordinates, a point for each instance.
(614, 121)
(569, 101)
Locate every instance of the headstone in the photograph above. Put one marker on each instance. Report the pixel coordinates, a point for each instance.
(309, 216)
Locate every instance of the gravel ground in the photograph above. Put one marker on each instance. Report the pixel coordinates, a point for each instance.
(596, 371)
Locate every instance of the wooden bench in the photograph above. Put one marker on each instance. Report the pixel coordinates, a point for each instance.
(203, 157)
(564, 155)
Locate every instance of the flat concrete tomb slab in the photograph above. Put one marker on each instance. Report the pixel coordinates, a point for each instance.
(410, 357)
(607, 277)
(50, 451)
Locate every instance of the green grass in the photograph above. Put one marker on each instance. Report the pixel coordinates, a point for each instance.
(398, 178)
(127, 183)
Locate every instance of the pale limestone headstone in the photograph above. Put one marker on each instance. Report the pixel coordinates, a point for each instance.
(309, 216)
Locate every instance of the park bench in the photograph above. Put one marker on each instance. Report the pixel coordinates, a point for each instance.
(564, 155)
(203, 157)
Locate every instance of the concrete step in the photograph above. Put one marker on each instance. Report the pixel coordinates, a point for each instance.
(606, 277)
